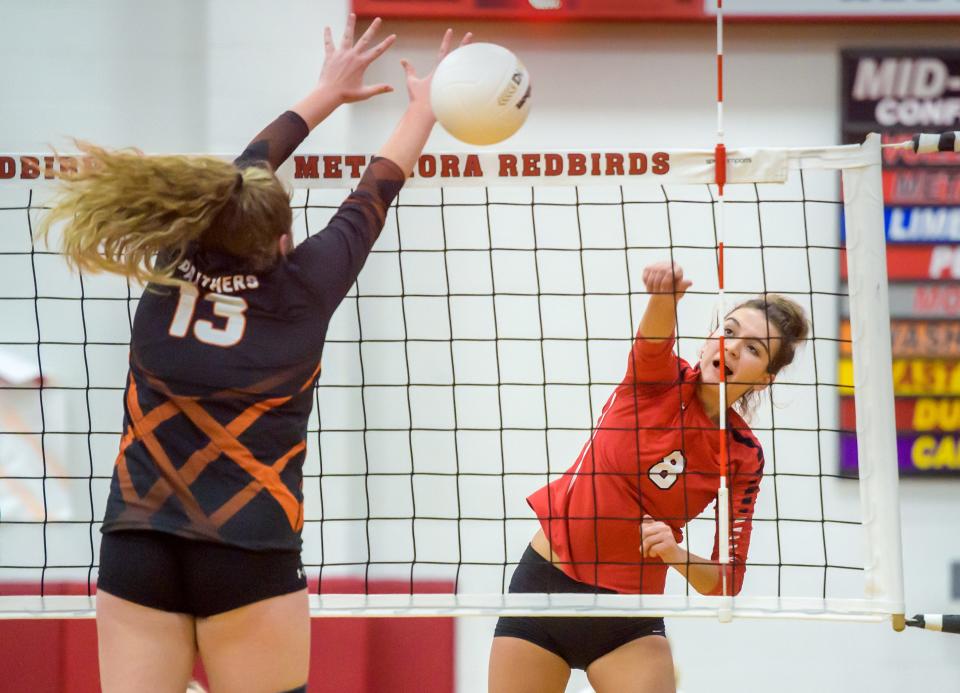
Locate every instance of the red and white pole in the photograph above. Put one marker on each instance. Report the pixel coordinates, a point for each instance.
(720, 156)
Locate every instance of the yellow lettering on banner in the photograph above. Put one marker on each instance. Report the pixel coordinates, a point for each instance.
(920, 451)
(845, 376)
(911, 377)
(928, 452)
(933, 414)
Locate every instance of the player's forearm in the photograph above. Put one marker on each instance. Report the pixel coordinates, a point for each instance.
(659, 319)
(702, 574)
(276, 142)
(409, 137)
(317, 105)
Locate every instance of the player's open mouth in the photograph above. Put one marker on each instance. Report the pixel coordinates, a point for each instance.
(716, 365)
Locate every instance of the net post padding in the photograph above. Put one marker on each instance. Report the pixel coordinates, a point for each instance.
(873, 386)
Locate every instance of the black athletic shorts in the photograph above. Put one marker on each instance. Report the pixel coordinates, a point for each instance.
(167, 572)
(578, 640)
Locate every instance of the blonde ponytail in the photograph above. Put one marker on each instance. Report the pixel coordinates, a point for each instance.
(137, 215)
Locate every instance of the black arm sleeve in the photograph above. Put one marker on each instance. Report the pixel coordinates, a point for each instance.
(275, 142)
(331, 260)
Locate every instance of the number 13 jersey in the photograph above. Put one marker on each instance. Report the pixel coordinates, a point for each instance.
(222, 371)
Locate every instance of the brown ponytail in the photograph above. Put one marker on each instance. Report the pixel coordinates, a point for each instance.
(136, 215)
(790, 320)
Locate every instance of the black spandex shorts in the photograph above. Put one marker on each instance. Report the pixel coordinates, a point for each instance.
(200, 578)
(578, 640)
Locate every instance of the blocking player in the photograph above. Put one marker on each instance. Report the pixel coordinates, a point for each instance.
(613, 522)
(201, 544)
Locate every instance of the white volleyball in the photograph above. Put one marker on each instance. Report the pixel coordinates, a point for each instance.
(480, 93)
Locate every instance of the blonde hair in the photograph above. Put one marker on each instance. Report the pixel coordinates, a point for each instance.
(137, 215)
(791, 322)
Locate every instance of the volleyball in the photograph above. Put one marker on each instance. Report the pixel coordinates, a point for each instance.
(480, 93)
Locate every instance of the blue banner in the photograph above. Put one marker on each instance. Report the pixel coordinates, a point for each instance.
(918, 225)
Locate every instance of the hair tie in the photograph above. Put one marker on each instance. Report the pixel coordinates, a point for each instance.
(239, 184)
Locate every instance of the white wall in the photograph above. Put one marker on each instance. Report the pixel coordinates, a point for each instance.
(187, 76)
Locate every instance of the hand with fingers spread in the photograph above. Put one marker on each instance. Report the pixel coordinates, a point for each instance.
(418, 88)
(341, 78)
(344, 65)
(410, 135)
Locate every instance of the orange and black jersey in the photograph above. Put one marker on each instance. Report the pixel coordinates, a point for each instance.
(222, 373)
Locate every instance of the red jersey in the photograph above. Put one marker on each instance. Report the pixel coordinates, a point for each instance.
(654, 451)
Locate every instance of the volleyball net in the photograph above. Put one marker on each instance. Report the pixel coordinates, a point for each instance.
(469, 364)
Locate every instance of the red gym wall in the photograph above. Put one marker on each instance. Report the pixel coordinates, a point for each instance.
(347, 655)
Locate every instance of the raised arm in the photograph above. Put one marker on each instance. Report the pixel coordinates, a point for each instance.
(651, 356)
(665, 284)
(409, 137)
(333, 258)
(340, 82)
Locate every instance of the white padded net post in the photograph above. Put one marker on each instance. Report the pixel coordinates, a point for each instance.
(467, 367)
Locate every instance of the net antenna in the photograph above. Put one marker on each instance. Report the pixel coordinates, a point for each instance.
(723, 497)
